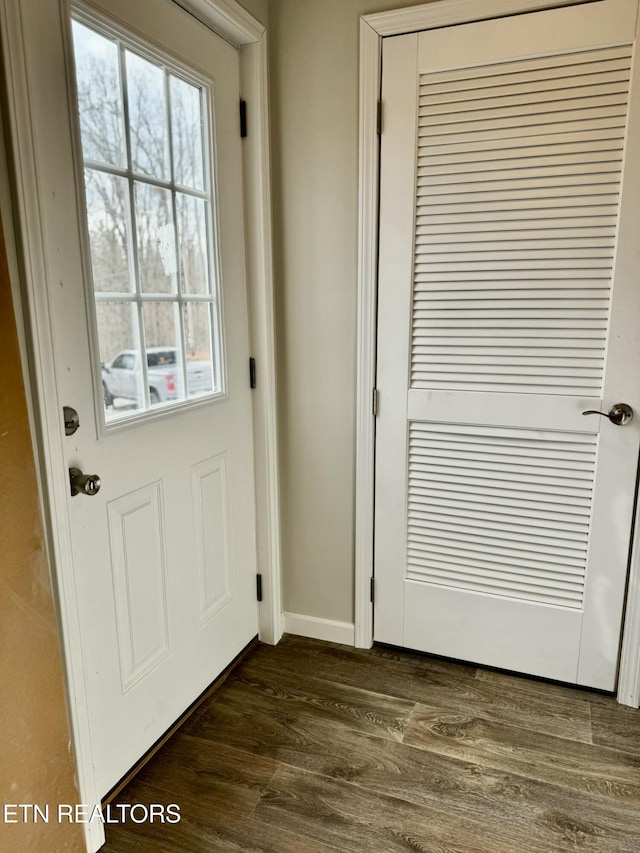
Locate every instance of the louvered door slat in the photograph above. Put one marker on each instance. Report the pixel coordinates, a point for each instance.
(573, 215)
(525, 263)
(552, 67)
(516, 473)
(598, 83)
(535, 109)
(522, 275)
(503, 462)
(563, 328)
(563, 529)
(512, 172)
(585, 247)
(508, 291)
(515, 438)
(560, 562)
(510, 184)
(517, 532)
(444, 549)
(610, 119)
(529, 158)
(501, 509)
(546, 336)
(559, 152)
(487, 585)
(571, 139)
(504, 199)
(472, 540)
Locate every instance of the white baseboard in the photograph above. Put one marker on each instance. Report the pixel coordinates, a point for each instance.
(320, 629)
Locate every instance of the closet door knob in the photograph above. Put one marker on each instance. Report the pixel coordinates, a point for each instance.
(619, 414)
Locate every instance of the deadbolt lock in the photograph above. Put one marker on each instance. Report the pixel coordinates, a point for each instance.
(71, 420)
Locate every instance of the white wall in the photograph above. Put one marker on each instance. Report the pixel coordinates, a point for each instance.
(314, 97)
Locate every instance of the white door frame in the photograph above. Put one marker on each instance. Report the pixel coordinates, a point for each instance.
(373, 28)
(229, 20)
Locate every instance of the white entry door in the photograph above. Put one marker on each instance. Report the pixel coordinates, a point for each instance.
(138, 155)
(509, 306)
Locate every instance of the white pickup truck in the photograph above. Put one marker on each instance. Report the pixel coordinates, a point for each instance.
(122, 376)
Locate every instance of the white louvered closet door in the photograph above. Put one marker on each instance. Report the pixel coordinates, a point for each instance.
(509, 303)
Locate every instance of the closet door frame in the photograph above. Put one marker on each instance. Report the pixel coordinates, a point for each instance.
(373, 28)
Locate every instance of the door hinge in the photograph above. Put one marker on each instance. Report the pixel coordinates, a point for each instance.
(372, 590)
(259, 587)
(379, 119)
(252, 373)
(374, 403)
(243, 119)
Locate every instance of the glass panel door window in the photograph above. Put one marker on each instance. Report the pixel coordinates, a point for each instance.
(144, 129)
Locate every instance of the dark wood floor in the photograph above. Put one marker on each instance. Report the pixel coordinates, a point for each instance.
(316, 747)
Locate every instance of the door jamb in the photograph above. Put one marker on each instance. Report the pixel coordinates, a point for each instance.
(629, 672)
(373, 28)
(230, 20)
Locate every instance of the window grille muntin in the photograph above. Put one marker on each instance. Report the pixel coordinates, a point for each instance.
(181, 295)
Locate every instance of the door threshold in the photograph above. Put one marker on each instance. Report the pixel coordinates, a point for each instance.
(514, 673)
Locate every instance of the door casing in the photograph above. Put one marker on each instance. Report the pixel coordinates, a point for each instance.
(373, 28)
(229, 20)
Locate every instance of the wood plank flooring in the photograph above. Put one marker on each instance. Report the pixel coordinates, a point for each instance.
(311, 746)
